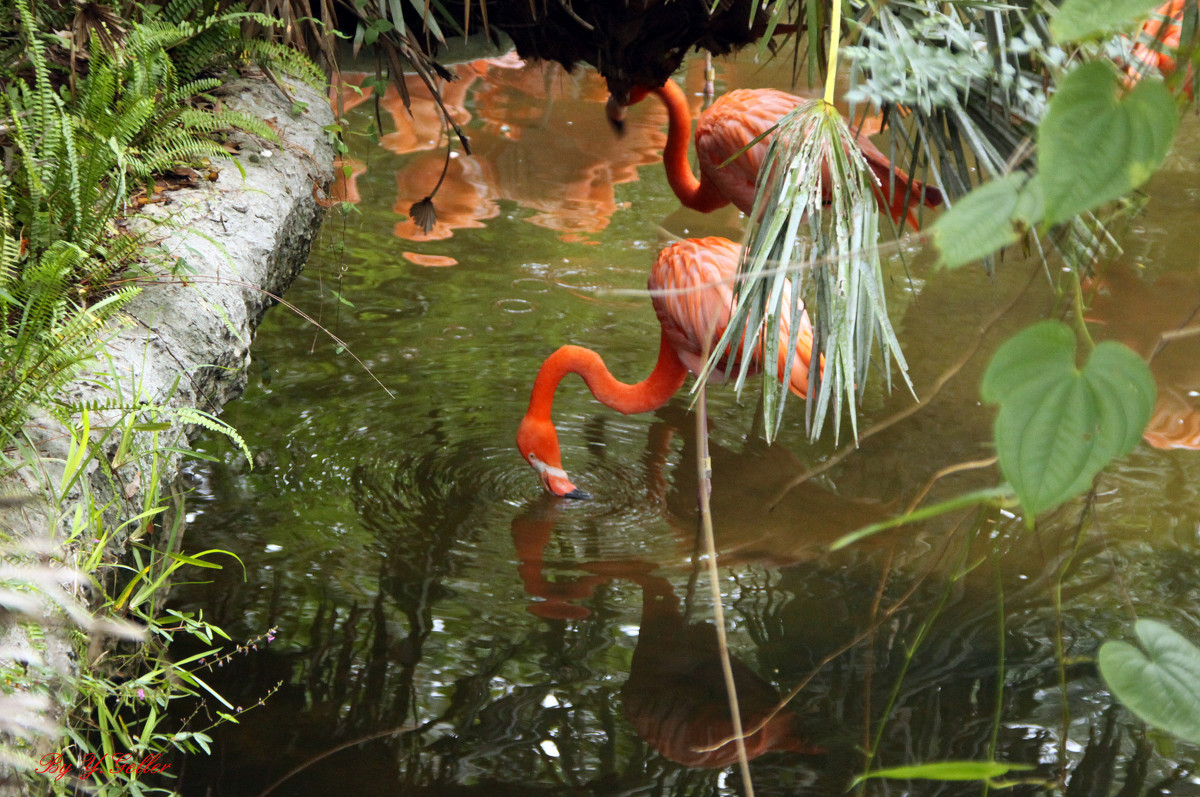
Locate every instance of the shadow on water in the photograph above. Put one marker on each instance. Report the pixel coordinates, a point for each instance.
(443, 628)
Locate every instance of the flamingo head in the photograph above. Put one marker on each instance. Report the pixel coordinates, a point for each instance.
(614, 109)
(538, 443)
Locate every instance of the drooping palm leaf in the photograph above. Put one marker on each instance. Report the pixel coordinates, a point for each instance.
(818, 183)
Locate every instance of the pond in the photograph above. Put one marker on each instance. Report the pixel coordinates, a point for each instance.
(440, 626)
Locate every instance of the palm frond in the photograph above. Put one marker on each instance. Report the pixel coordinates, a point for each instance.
(813, 160)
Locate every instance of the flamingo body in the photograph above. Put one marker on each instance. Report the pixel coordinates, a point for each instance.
(692, 289)
(1165, 27)
(732, 122)
(690, 285)
(728, 125)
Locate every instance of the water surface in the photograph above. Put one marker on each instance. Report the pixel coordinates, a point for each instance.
(442, 627)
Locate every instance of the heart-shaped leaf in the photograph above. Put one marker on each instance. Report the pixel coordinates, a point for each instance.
(1094, 145)
(1159, 682)
(1059, 425)
(989, 218)
(1082, 19)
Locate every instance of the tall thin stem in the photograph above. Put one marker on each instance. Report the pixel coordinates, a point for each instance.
(704, 483)
(835, 36)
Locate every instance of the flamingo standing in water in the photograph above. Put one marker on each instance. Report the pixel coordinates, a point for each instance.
(1165, 26)
(691, 288)
(732, 122)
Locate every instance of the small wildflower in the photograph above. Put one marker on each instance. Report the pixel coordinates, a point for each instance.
(141, 693)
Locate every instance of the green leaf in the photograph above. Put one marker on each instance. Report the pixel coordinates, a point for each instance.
(986, 496)
(1094, 146)
(1059, 425)
(1086, 19)
(1035, 354)
(947, 770)
(377, 27)
(151, 427)
(988, 219)
(1159, 682)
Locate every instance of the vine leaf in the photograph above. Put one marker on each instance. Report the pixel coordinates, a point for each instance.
(1160, 681)
(989, 218)
(1059, 425)
(1085, 19)
(1095, 146)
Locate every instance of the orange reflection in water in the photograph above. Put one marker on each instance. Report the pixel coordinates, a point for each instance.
(539, 139)
(675, 696)
(423, 129)
(464, 201)
(346, 172)
(1138, 313)
(432, 261)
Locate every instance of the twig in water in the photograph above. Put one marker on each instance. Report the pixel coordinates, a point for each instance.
(704, 473)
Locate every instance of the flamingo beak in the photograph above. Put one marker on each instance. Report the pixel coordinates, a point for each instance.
(615, 111)
(562, 487)
(555, 480)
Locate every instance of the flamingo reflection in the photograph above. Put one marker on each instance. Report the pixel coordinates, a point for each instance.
(675, 695)
(538, 140)
(1138, 312)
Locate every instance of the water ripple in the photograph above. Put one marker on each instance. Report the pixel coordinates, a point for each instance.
(474, 484)
(514, 305)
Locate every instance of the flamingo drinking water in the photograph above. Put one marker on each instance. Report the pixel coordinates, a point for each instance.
(691, 287)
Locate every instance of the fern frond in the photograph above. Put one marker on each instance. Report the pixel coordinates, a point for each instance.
(226, 119)
(182, 10)
(286, 59)
(213, 424)
(192, 89)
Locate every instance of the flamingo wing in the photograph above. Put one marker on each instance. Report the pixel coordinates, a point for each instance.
(691, 285)
(737, 118)
(692, 289)
(733, 121)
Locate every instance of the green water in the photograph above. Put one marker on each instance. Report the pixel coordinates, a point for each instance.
(480, 637)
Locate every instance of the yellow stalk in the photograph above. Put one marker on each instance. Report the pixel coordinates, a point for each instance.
(835, 36)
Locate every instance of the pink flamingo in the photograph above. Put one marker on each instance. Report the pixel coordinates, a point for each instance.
(691, 287)
(732, 122)
(1165, 26)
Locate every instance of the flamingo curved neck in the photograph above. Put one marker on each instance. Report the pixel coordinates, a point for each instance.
(691, 192)
(649, 394)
